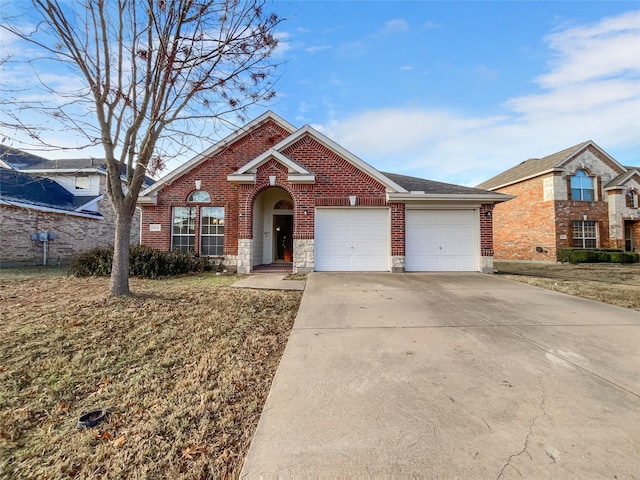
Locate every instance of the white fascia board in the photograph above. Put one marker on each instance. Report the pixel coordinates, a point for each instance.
(344, 153)
(215, 148)
(252, 166)
(39, 208)
(449, 197)
(296, 178)
(90, 203)
(242, 178)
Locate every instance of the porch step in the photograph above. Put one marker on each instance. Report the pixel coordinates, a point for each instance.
(279, 267)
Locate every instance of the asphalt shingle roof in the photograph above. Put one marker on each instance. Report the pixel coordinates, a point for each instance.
(22, 187)
(414, 184)
(530, 168)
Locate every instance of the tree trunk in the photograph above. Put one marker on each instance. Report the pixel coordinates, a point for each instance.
(121, 246)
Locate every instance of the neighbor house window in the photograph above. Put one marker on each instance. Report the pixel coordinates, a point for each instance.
(82, 183)
(199, 196)
(582, 187)
(212, 231)
(183, 234)
(632, 199)
(585, 234)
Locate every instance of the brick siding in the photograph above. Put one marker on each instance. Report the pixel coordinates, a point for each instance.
(74, 234)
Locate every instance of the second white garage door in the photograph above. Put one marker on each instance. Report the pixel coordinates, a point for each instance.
(441, 241)
(351, 240)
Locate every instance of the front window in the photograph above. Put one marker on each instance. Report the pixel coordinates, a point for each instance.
(585, 234)
(199, 196)
(582, 187)
(632, 199)
(183, 235)
(212, 231)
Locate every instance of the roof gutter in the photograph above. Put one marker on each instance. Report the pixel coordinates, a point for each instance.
(40, 208)
(449, 197)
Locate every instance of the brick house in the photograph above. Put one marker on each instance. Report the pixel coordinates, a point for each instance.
(579, 197)
(274, 194)
(65, 199)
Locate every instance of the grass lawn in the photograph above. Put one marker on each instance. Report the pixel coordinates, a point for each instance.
(616, 284)
(183, 365)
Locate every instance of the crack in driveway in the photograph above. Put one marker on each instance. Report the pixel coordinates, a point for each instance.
(526, 439)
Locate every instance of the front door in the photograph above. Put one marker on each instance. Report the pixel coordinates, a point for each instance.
(283, 238)
(628, 236)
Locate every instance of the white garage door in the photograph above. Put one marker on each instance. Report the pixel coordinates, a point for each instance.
(441, 241)
(351, 240)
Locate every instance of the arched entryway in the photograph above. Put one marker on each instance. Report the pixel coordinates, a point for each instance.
(273, 228)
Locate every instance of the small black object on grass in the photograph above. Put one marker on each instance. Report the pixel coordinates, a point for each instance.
(91, 419)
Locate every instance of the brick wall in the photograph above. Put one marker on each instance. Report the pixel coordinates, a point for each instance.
(524, 223)
(74, 234)
(213, 175)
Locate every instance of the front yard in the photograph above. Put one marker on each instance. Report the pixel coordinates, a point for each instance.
(616, 284)
(183, 366)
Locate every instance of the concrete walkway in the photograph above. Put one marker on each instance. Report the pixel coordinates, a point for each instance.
(269, 281)
(451, 376)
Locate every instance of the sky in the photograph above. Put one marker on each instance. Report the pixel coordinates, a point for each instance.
(459, 91)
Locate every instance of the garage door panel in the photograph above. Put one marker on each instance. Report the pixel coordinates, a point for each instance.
(441, 240)
(351, 239)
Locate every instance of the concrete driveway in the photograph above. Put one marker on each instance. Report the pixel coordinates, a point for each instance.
(451, 376)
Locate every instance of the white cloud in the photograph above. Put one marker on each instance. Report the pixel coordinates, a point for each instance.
(590, 91)
(397, 25)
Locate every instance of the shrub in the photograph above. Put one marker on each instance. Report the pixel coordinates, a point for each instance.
(92, 263)
(625, 257)
(603, 256)
(145, 262)
(579, 256)
(564, 254)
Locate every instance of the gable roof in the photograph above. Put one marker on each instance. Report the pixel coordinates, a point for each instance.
(28, 191)
(399, 187)
(217, 147)
(327, 142)
(620, 180)
(537, 166)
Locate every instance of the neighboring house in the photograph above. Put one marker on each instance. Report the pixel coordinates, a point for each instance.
(580, 197)
(64, 198)
(273, 193)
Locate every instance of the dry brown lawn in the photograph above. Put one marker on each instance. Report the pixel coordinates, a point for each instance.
(183, 365)
(616, 284)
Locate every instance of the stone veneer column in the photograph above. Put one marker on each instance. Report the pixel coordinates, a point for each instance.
(487, 264)
(244, 255)
(303, 255)
(397, 264)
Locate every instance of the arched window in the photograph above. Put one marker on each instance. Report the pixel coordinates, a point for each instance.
(199, 196)
(582, 187)
(632, 199)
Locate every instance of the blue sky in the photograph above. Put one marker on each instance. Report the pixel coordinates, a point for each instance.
(459, 91)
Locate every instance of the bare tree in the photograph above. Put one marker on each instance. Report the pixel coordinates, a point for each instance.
(153, 75)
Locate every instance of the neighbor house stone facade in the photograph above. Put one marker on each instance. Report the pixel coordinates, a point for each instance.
(579, 197)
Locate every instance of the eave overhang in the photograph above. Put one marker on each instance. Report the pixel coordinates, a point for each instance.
(423, 197)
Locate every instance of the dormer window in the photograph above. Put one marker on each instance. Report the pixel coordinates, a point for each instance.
(82, 183)
(199, 196)
(582, 187)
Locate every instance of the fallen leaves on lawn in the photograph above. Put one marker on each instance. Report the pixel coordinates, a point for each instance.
(183, 366)
(192, 450)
